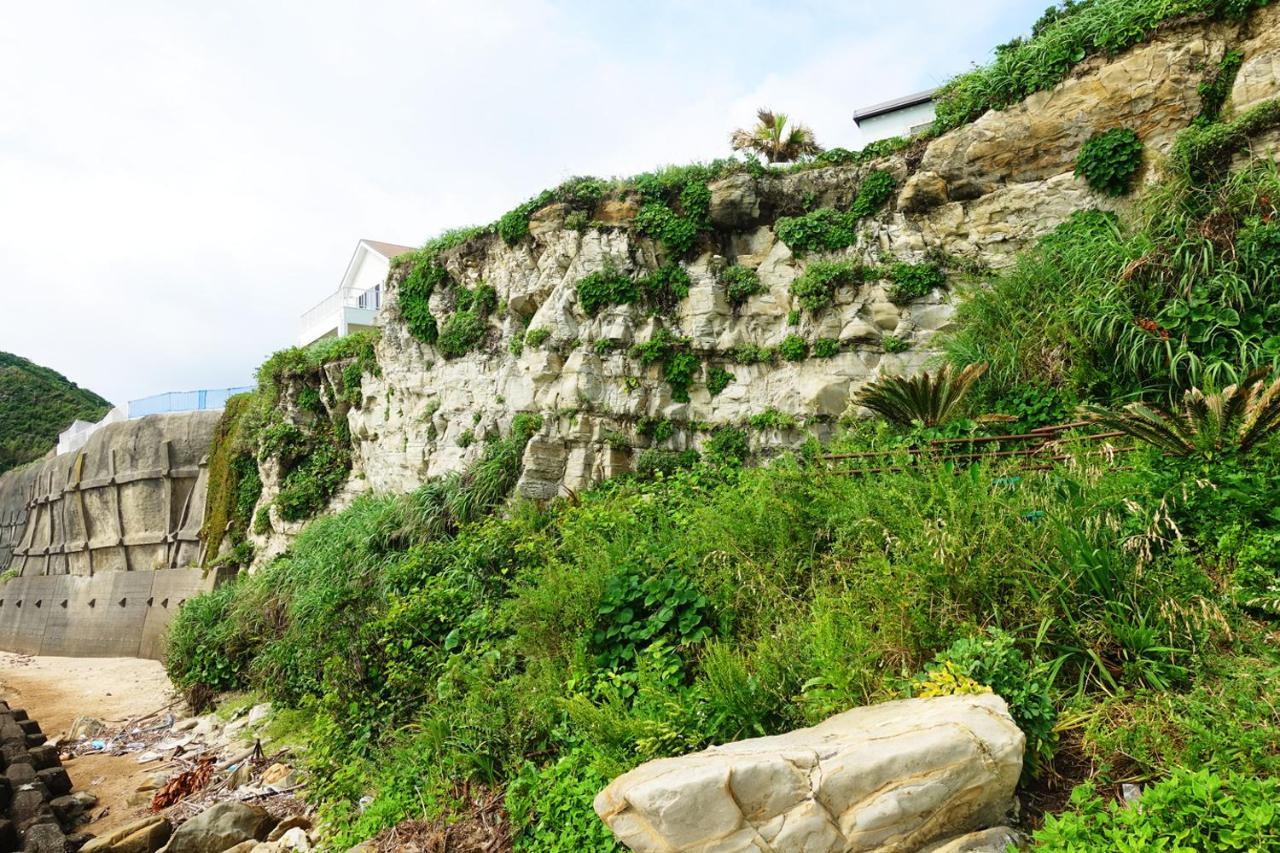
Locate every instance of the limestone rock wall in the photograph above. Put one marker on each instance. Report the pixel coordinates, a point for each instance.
(977, 194)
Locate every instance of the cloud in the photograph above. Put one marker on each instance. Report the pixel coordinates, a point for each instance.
(177, 183)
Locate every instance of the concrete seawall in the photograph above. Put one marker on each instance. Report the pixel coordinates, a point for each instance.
(100, 543)
(113, 614)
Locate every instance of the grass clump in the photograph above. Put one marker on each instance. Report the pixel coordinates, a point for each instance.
(1101, 26)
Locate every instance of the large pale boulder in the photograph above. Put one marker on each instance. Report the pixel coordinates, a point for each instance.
(890, 777)
(220, 827)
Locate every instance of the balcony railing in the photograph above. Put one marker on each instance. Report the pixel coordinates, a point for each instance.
(344, 297)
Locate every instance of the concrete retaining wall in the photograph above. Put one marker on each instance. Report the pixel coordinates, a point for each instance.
(102, 540)
(112, 614)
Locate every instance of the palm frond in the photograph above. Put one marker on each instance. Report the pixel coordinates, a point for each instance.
(930, 399)
(1238, 416)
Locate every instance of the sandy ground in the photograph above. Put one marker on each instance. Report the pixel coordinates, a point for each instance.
(54, 691)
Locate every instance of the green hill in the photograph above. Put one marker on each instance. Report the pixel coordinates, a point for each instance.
(36, 404)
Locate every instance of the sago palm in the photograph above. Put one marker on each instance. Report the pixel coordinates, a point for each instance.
(1238, 416)
(930, 399)
(774, 140)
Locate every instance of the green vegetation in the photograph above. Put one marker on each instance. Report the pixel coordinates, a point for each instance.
(928, 399)
(912, 281)
(828, 229)
(1214, 92)
(776, 141)
(606, 286)
(826, 348)
(565, 643)
(793, 348)
(36, 404)
(1182, 294)
(740, 284)
(234, 483)
(894, 344)
(718, 379)
(679, 366)
(1060, 42)
(1110, 161)
(311, 444)
(815, 288)
(1191, 810)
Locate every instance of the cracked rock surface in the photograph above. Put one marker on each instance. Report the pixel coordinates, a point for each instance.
(898, 776)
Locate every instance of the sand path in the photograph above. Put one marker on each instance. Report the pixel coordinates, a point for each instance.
(55, 691)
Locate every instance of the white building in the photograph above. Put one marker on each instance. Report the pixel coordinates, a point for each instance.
(905, 116)
(353, 306)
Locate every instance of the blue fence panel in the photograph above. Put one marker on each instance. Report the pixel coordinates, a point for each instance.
(185, 401)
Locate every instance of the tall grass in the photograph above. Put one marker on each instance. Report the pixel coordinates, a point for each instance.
(1159, 302)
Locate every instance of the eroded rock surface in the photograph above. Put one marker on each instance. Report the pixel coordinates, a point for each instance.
(891, 777)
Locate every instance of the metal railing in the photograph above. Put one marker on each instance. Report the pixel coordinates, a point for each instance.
(369, 299)
(185, 401)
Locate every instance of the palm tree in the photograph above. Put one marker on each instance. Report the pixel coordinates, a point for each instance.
(1238, 416)
(930, 400)
(774, 141)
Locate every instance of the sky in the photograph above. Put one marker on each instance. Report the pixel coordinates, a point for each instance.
(179, 181)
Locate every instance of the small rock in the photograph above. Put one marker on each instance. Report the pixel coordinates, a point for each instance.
(141, 836)
(295, 821)
(66, 809)
(44, 838)
(220, 827)
(186, 725)
(86, 727)
(277, 775)
(258, 713)
(87, 800)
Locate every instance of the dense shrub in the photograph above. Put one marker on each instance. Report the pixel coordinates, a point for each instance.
(1110, 161)
(1166, 300)
(827, 229)
(740, 284)
(536, 337)
(1191, 810)
(462, 332)
(826, 347)
(718, 379)
(994, 660)
(912, 281)
(665, 287)
(815, 288)
(794, 348)
(606, 286)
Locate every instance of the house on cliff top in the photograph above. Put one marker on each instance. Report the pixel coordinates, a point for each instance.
(359, 296)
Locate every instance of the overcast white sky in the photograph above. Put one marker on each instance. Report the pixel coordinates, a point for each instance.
(179, 181)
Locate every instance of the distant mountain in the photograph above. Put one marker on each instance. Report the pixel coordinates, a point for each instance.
(36, 404)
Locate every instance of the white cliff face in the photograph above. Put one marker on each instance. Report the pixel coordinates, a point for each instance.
(976, 195)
